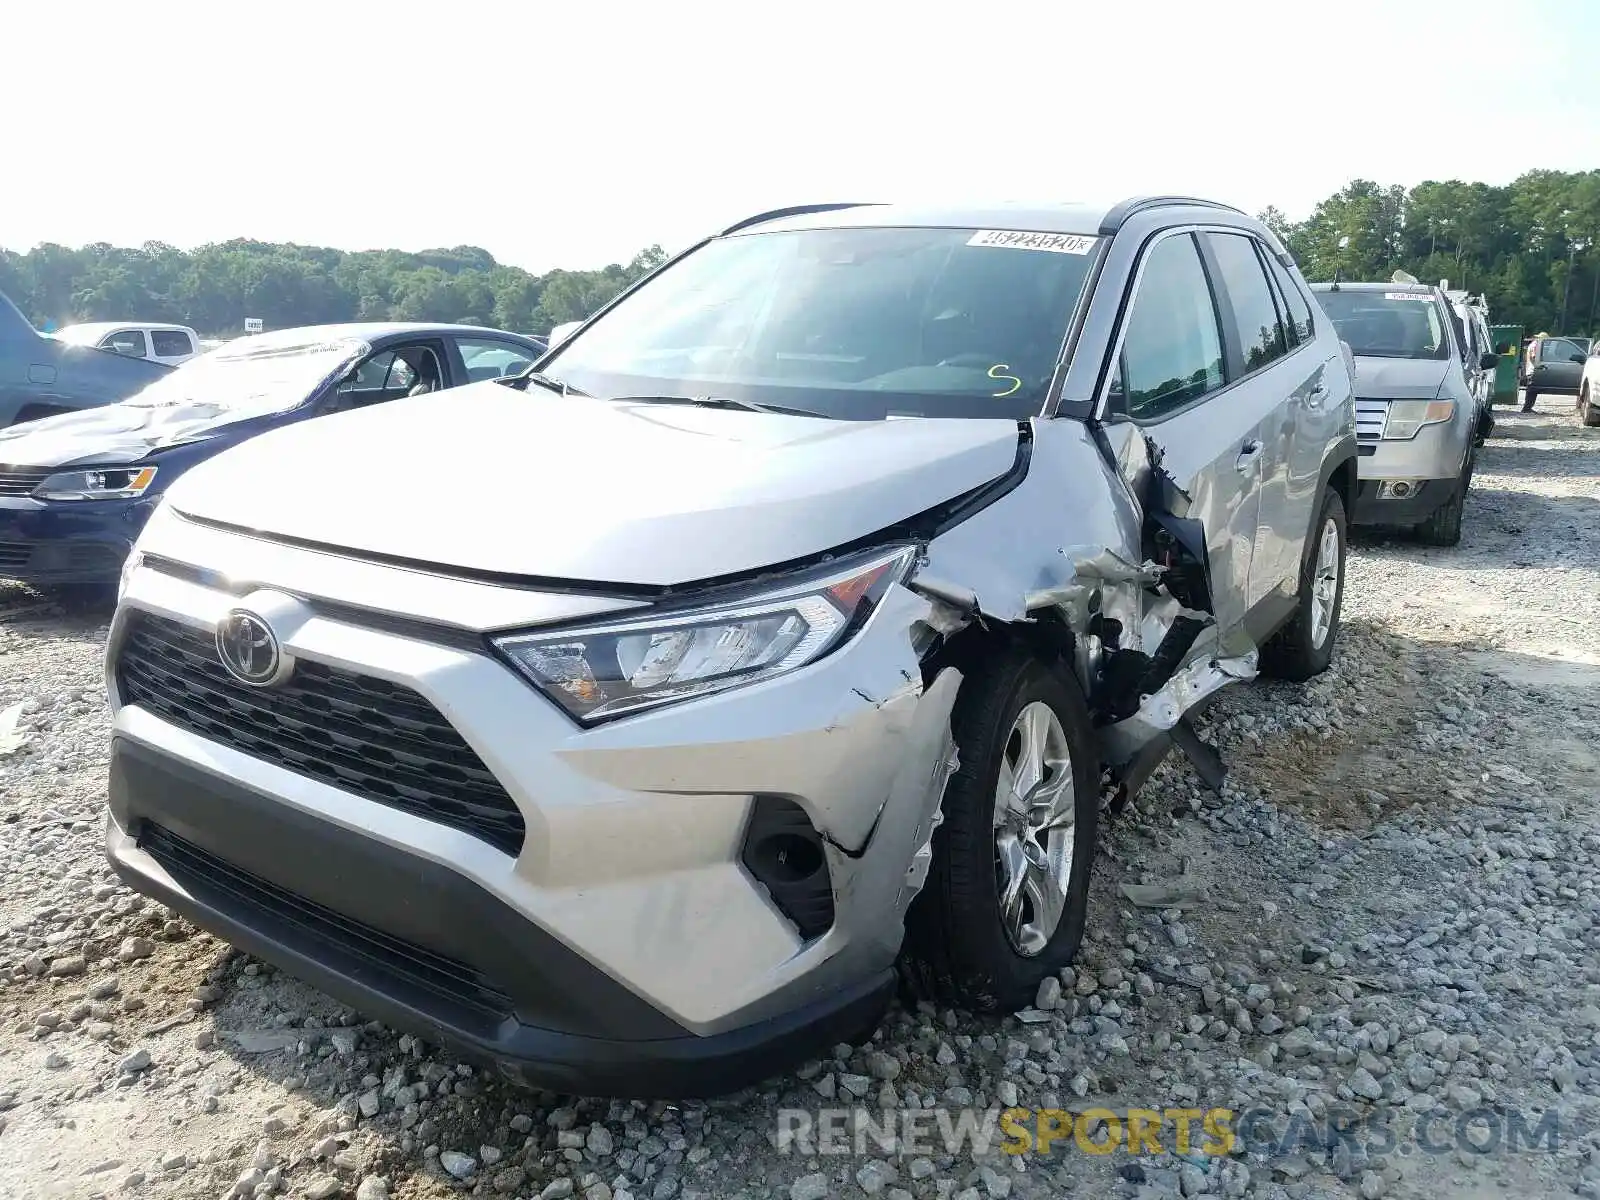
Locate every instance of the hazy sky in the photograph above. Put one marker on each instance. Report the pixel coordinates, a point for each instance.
(574, 134)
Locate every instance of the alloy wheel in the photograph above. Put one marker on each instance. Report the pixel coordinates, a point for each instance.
(1325, 583)
(1035, 806)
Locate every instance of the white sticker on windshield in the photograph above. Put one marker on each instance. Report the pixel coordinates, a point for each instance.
(1407, 296)
(1015, 239)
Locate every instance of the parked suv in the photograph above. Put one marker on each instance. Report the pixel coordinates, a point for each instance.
(1417, 416)
(627, 730)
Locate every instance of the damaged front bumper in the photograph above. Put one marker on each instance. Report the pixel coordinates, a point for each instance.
(640, 916)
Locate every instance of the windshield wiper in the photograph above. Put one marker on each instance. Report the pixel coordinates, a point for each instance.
(722, 402)
(545, 381)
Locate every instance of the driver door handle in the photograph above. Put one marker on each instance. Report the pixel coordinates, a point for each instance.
(1247, 456)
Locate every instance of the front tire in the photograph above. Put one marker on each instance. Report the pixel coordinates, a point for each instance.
(1443, 528)
(1008, 889)
(1304, 647)
(1587, 413)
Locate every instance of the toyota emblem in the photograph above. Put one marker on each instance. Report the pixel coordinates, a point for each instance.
(249, 650)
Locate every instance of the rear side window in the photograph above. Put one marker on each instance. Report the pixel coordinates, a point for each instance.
(1261, 335)
(1299, 310)
(486, 358)
(170, 343)
(1172, 348)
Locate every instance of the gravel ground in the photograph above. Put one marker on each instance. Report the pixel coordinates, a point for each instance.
(1390, 917)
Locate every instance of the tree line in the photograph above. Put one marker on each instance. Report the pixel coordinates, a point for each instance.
(1532, 248)
(214, 288)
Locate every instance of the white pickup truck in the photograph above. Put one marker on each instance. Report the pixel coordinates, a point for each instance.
(170, 344)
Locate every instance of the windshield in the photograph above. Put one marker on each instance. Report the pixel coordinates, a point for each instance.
(1387, 324)
(859, 324)
(251, 379)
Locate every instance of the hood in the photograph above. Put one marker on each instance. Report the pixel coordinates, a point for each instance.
(1400, 378)
(485, 478)
(114, 433)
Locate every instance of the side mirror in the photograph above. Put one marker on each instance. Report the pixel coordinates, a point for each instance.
(1578, 358)
(1489, 362)
(561, 333)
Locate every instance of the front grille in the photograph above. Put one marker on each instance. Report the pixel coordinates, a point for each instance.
(317, 926)
(1371, 418)
(380, 740)
(20, 481)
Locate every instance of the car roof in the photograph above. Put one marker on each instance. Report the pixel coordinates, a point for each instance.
(1416, 289)
(365, 331)
(90, 328)
(1046, 216)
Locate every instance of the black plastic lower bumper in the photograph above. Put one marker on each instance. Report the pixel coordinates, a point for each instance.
(65, 542)
(1413, 510)
(425, 949)
(56, 563)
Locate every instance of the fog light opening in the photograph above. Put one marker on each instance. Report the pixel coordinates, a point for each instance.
(785, 854)
(785, 858)
(1398, 489)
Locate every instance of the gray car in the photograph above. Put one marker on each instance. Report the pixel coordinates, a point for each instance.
(1417, 415)
(632, 723)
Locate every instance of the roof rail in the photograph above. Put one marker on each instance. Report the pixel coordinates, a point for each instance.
(796, 210)
(1136, 204)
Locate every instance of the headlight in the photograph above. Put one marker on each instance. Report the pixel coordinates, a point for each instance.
(105, 483)
(606, 671)
(1408, 416)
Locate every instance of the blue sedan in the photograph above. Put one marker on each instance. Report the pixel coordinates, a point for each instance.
(76, 489)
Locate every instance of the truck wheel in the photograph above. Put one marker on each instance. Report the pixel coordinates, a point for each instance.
(1587, 412)
(1304, 647)
(1006, 895)
(1443, 528)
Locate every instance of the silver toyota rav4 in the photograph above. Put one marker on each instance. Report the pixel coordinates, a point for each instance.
(1418, 417)
(631, 724)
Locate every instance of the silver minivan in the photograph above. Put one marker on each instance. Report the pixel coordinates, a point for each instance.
(1418, 416)
(781, 632)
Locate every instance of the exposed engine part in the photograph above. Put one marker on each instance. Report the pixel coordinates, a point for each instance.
(1131, 675)
(1089, 655)
(1179, 547)
(1160, 711)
